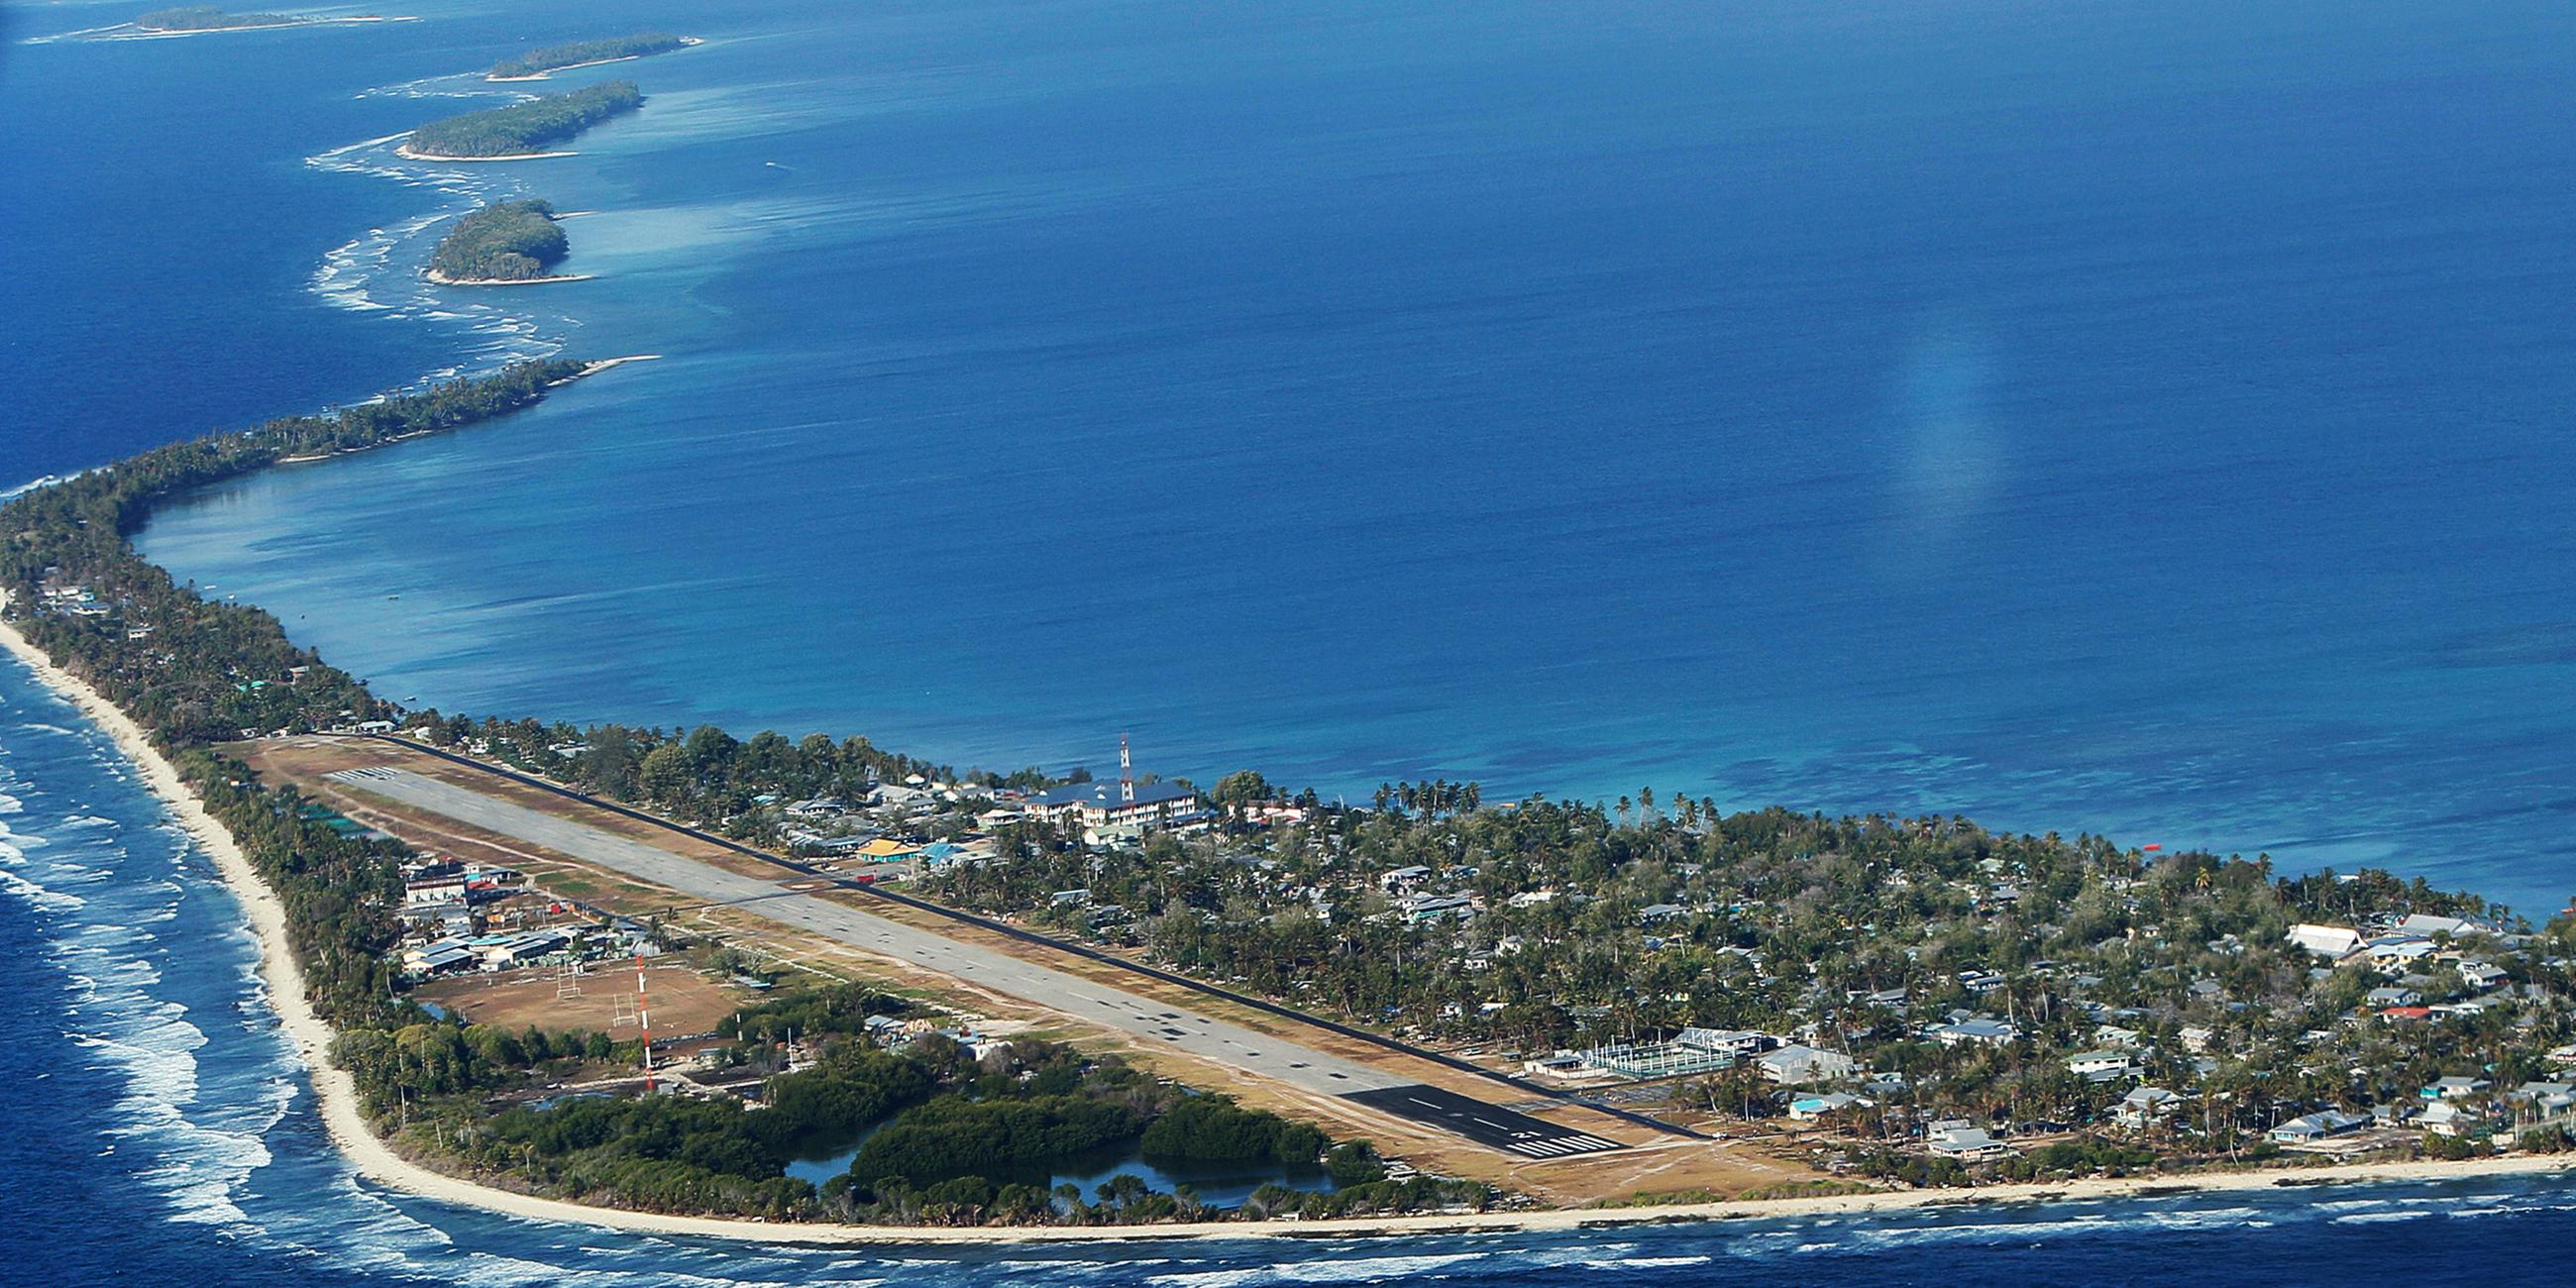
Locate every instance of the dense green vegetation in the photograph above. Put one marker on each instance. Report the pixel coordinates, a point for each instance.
(951, 1138)
(705, 776)
(1578, 925)
(553, 57)
(210, 18)
(507, 241)
(1215, 1129)
(524, 127)
(813, 1012)
(676, 1153)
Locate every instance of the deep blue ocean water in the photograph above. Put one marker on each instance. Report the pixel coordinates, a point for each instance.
(2143, 418)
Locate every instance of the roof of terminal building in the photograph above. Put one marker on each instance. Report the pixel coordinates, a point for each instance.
(1105, 795)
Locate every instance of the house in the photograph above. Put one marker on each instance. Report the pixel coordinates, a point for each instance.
(2382, 998)
(429, 892)
(2481, 976)
(2548, 1099)
(2397, 953)
(2452, 1119)
(1966, 1143)
(885, 849)
(2325, 1124)
(2099, 1066)
(1659, 912)
(1984, 1031)
(2429, 926)
(1807, 1109)
(2196, 1039)
(2325, 941)
(1797, 1065)
(2455, 1088)
(1403, 878)
(1421, 908)
(2143, 1105)
(1561, 1064)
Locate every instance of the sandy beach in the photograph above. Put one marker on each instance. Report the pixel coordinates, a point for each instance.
(407, 154)
(336, 1096)
(136, 31)
(444, 280)
(548, 74)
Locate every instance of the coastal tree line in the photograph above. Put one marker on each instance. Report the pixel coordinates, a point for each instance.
(506, 241)
(536, 62)
(525, 127)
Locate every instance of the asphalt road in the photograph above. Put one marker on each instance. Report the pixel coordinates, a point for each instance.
(1211, 1039)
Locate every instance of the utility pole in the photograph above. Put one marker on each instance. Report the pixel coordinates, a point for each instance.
(644, 1020)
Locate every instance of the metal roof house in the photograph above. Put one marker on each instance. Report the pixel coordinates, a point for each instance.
(2318, 1126)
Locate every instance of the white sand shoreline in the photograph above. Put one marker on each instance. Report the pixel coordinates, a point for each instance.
(406, 153)
(336, 1096)
(137, 31)
(444, 280)
(548, 74)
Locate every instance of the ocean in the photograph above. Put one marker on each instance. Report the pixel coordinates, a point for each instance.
(2139, 419)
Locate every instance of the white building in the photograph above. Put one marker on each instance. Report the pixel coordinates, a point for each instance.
(1984, 1031)
(2325, 941)
(2099, 1066)
(1792, 1066)
(1094, 806)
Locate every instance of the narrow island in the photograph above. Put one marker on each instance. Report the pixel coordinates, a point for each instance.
(210, 18)
(892, 1000)
(522, 130)
(507, 243)
(197, 20)
(538, 64)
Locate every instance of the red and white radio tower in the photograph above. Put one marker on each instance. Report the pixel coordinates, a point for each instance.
(1126, 774)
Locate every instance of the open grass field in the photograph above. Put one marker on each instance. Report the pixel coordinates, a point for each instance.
(684, 1002)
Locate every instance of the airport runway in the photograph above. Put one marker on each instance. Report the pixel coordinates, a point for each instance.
(1215, 1040)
